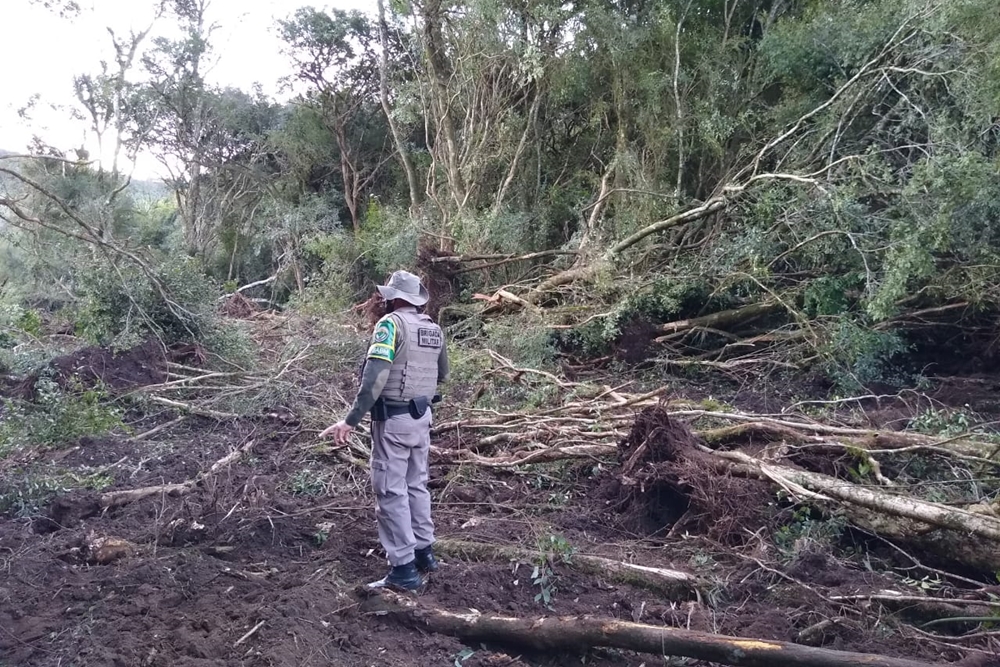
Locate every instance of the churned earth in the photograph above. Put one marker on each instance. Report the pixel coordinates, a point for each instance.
(257, 563)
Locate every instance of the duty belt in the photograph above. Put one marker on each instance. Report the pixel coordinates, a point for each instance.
(416, 408)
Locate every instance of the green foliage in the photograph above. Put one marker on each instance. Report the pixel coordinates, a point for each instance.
(553, 550)
(308, 482)
(25, 493)
(857, 356)
(337, 283)
(806, 525)
(388, 239)
(516, 122)
(58, 418)
(663, 300)
(123, 305)
(944, 423)
(524, 339)
(830, 295)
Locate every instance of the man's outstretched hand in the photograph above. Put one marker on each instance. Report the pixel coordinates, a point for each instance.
(339, 431)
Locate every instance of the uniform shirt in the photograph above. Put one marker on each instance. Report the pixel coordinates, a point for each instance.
(381, 353)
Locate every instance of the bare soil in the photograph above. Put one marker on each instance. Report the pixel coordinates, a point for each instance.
(278, 541)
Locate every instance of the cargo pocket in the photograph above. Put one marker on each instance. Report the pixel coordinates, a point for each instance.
(380, 476)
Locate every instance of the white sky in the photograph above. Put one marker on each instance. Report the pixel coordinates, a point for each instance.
(41, 53)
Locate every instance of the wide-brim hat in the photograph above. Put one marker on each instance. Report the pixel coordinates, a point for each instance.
(405, 286)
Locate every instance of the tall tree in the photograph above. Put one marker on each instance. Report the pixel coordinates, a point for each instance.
(335, 55)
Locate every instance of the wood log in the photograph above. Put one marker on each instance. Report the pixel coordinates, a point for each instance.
(547, 454)
(674, 584)
(725, 318)
(933, 514)
(581, 632)
(954, 534)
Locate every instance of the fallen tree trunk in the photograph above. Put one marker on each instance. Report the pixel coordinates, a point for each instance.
(926, 512)
(579, 633)
(724, 318)
(955, 534)
(964, 445)
(545, 455)
(674, 584)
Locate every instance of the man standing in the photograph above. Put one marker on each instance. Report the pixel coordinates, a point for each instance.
(406, 361)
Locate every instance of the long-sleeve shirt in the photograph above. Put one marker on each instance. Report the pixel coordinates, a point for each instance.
(376, 374)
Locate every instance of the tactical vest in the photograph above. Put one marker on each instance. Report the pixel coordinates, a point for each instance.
(414, 371)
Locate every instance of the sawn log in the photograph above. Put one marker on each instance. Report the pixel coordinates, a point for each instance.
(579, 632)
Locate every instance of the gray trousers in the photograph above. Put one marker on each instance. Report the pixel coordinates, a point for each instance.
(400, 446)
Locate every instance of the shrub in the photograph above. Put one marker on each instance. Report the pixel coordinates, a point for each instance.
(858, 356)
(122, 304)
(57, 418)
(339, 281)
(662, 300)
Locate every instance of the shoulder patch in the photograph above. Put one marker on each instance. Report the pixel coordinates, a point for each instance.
(383, 345)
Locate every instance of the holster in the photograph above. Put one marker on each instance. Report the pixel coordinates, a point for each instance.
(379, 411)
(418, 406)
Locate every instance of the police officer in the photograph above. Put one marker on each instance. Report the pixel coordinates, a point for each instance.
(406, 361)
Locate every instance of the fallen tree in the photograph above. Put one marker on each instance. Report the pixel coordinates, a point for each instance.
(579, 633)
(594, 428)
(674, 584)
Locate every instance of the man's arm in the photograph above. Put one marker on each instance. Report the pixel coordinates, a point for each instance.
(443, 367)
(381, 354)
(372, 381)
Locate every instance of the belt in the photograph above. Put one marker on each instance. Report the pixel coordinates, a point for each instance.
(395, 410)
(382, 410)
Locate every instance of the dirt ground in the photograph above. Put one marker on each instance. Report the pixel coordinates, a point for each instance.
(257, 566)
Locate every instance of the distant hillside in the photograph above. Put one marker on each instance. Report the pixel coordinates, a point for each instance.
(146, 190)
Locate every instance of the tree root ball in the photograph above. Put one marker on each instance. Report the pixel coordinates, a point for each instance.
(666, 482)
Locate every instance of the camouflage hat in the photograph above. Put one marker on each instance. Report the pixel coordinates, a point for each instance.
(405, 286)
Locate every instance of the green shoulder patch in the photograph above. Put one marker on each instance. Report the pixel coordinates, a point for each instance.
(383, 344)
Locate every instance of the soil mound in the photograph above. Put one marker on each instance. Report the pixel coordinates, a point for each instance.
(140, 366)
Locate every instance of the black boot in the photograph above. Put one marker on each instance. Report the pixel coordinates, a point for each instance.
(424, 559)
(402, 577)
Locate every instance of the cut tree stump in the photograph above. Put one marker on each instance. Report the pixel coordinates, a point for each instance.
(577, 633)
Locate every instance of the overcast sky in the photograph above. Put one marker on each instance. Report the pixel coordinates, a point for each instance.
(43, 52)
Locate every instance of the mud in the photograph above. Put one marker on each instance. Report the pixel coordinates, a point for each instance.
(257, 565)
(89, 367)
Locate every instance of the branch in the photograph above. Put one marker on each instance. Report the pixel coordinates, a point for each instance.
(673, 583)
(118, 498)
(258, 283)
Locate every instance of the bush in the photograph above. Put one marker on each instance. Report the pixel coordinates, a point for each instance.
(122, 306)
(523, 339)
(858, 356)
(349, 264)
(59, 417)
(663, 300)
(340, 279)
(388, 240)
(23, 495)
